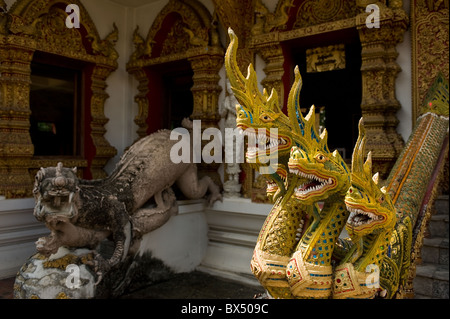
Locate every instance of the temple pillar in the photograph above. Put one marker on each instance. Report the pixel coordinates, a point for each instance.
(16, 148)
(272, 54)
(205, 92)
(206, 88)
(379, 70)
(103, 150)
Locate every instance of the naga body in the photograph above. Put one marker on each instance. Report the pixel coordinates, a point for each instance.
(324, 176)
(290, 216)
(257, 114)
(370, 226)
(298, 241)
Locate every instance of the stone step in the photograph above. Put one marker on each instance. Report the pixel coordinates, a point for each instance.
(442, 205)
(438, 225)
(431, 281)
(435, 250)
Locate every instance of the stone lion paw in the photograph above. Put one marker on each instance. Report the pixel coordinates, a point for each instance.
(100, 266)
(43, 246)
(213, 198)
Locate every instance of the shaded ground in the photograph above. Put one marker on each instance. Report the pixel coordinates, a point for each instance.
(196, 285)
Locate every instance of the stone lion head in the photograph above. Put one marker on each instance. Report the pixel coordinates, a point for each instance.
(54, 190)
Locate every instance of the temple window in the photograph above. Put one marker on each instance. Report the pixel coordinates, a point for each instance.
(55, 101)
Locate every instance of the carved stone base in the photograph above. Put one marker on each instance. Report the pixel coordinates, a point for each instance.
(65, 275)
(61, 276)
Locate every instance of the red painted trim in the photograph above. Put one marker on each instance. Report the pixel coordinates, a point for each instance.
(89, 148)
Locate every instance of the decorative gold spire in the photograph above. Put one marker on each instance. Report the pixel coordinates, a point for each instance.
(246, 89)
(362, 171)
(437, 98)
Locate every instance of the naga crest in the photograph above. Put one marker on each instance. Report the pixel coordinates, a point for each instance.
(54, 191)
(257, 110)
(321, 172)
(370, 207)
(261, 111)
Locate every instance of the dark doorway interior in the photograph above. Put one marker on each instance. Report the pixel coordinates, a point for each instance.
(338, 91)
(55, 110)
(179, 103)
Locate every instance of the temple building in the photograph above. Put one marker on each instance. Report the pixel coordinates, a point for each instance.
(82, 80)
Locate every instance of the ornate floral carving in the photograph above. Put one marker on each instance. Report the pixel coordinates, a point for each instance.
(430, 32)
(379, 70)
(52, 33)
(267, 21)
(313, 12)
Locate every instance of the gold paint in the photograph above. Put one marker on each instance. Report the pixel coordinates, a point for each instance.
(62, 295)
(32, 25)
(61, 263)
(325, 58)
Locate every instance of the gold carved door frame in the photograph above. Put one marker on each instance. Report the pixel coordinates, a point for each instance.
(29, 26)
(300, 19)
(183, 30)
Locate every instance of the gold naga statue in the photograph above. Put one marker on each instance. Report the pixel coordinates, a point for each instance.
(299, 252)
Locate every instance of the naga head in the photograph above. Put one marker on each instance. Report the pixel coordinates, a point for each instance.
(54, 191)
(370, 206)
(257, 114)
(321, 173)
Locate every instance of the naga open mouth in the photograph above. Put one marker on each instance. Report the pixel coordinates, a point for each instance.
(361, 218)
(263, 143)
(272, 186)
(314, 185)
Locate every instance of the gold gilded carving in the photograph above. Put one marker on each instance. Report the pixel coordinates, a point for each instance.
(142, 102)
(192, 36)
(31, 25)
(313, 12)
(437, 98)
(379, 70)
(142, 48)
(105, 47)
(430, 50)
(238, 15)
(193, 24)
(206, 89)
(16, 148)
(272, 54)
(189, 38)
(51, 32)
(196, 40)
(325, 58)
(267, 21)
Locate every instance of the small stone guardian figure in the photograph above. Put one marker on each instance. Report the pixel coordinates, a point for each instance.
(231, 187)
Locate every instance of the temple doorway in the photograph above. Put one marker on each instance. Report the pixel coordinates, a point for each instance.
(169, 94)
(178, 99)
(331, 71)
